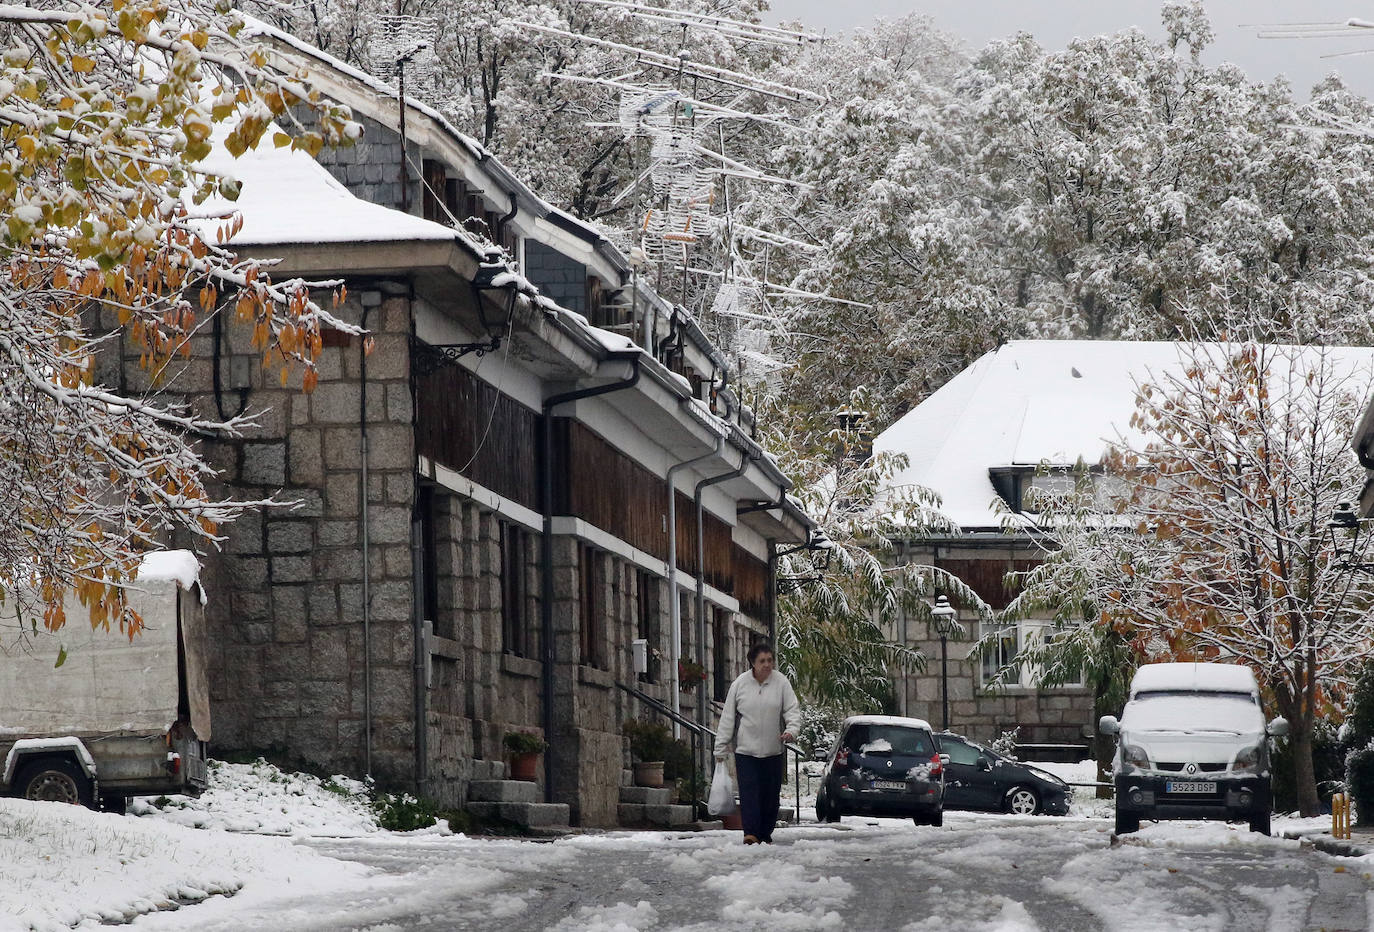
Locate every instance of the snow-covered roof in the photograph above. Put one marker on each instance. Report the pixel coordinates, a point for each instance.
(1026, 403)
(289, 198)
(1194, 677)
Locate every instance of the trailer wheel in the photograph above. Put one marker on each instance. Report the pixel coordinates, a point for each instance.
(54, 779)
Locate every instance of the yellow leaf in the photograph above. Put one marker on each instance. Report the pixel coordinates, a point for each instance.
(81, 64)
(280, 139)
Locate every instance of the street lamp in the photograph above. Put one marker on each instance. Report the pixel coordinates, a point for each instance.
(944, 615)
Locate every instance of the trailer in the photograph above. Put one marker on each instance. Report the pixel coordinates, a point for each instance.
(117, 717)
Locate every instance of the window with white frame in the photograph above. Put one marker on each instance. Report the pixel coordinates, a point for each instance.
(1001, 643)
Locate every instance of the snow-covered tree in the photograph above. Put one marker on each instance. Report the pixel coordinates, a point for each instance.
(1109, 190)
(1219, 547)
(839, 605)
(105, 113)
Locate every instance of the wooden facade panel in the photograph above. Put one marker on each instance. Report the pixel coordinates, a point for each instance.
(608, 490)
(751, 583)
(467, 426)
(988, 577)
(470, 427)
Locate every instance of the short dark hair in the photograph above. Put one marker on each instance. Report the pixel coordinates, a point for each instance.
(760, 647)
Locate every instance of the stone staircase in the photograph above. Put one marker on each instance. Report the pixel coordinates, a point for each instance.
(492, 796)
(646, 806)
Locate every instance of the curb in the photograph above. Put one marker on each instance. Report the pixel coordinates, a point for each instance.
(1338, 847)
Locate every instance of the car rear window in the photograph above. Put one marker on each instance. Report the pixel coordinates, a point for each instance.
(889, 739)
(959, 752)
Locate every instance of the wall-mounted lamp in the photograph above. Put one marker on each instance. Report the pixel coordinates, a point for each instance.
(1345, 521)
(494, 315)
(822, 548)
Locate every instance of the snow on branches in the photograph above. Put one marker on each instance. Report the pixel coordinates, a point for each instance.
(106, 113)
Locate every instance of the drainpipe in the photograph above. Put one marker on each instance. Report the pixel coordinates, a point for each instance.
(735, 473)
(546, 545)
(367, 541)
(674, 606)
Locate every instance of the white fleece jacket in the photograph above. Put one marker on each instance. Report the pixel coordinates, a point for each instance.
(756, 714)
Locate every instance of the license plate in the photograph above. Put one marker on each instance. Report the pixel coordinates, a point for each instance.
(888, 785)
(1190, 786)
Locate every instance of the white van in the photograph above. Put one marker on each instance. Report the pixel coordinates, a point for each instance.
(1192, 744)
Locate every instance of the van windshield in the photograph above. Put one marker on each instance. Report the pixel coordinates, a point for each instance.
(1193, 713)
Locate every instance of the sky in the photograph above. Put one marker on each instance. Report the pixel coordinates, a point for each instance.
(1055, 22)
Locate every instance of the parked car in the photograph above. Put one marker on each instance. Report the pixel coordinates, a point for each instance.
(977, 777)
(1192, 743)
(885, 766)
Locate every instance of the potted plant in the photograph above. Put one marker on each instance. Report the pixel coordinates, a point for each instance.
(525, 748)
(689, 674)
(649, 746)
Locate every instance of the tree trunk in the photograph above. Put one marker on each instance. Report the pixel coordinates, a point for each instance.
(1304, 774)
(1104, 746)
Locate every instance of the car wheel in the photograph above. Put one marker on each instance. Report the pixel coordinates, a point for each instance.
(937, 818)
(825, 812)
(1259, 822)
(1126, 823)
(54, 779)
(1023, 801)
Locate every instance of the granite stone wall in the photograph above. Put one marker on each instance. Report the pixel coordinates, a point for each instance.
(287, 672)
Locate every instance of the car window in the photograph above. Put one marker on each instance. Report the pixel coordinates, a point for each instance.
(889, 739)
(959, 752)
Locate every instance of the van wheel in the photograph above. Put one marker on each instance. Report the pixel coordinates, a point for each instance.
(1126, 823)
(1259, 822)
(1023, 801)
(54, 779)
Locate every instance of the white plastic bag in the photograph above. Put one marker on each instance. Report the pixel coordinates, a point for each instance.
(722, 798)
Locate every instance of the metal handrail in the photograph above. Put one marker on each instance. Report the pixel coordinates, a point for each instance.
(696, 729)
(796, 781)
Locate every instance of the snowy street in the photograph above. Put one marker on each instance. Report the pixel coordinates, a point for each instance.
(977, 872)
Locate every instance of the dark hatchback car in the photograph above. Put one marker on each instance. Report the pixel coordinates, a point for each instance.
(884, 766)
(977, 777)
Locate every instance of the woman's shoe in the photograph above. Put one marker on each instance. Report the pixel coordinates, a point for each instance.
(750, 840)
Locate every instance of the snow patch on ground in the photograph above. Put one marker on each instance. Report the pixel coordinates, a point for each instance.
(64, 865)
(260, 798)
(779, 895)
(622, 917)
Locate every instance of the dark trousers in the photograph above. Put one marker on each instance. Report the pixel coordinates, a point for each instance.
(760, 783)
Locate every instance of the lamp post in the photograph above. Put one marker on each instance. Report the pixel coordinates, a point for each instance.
(944, 614)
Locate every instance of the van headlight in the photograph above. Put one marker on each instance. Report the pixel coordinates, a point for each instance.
(1133, 757)
(1247, 760)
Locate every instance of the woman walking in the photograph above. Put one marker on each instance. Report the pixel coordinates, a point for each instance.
(761, 713)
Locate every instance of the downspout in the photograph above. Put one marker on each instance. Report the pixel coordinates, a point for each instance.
(675, 606)
(420, 584)
(744, 461)
(367, 553)
(546, 546)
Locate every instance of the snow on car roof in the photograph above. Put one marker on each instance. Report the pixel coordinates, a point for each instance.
(887, 720)
(1194, 677)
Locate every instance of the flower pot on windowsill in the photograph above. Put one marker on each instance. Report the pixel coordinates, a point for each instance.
(649, 773)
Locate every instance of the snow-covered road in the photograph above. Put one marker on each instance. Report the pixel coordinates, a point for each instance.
(977, 872)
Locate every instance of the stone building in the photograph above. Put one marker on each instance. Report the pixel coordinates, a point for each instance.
(481, 523)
